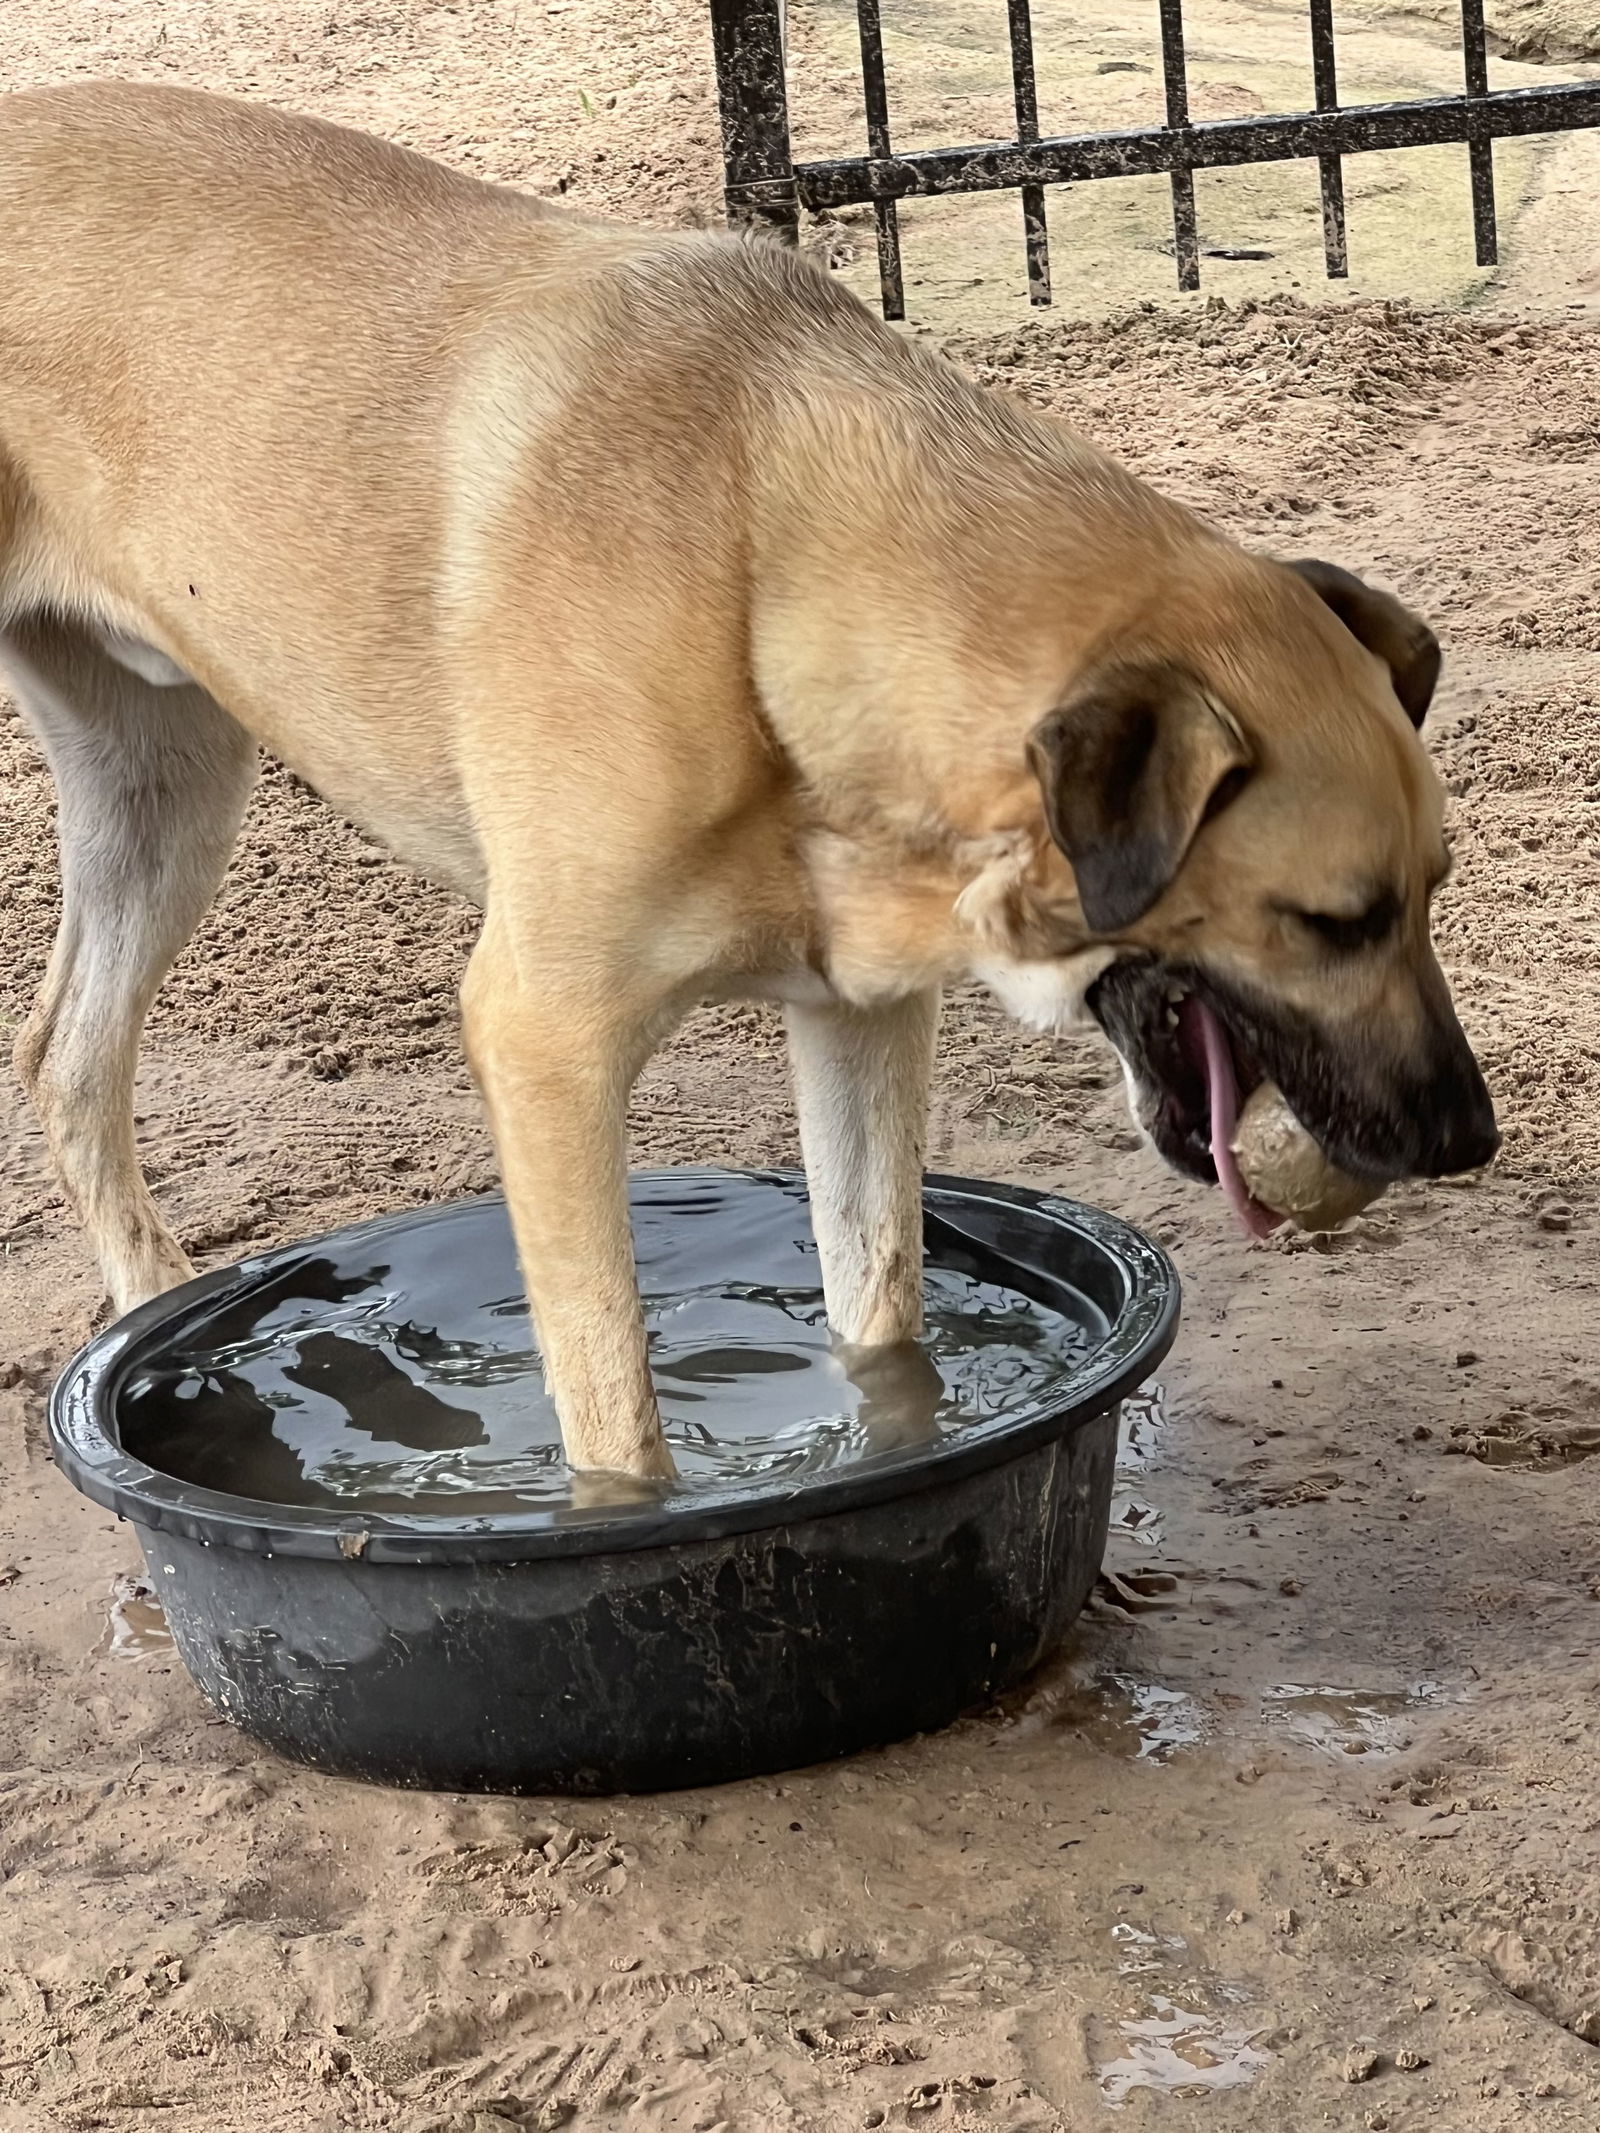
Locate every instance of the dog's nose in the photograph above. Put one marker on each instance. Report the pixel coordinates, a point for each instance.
(1461, 1133)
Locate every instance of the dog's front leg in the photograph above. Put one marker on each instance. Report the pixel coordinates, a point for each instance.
(861, 1087)
(555, 1059)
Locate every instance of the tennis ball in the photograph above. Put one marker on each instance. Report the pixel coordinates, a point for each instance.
(1286, 1170)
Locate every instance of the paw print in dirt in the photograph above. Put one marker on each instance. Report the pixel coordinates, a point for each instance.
(548, 1870)
(1554, 1434)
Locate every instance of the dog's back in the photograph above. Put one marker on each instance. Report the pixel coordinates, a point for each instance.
(228, 341)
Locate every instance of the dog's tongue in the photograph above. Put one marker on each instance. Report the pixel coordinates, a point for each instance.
(1222, 1089)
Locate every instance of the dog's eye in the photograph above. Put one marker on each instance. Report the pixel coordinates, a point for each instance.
(1346, 935)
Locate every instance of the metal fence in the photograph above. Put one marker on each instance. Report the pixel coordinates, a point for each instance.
(765, 186)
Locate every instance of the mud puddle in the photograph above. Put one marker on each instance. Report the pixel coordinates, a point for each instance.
(135, 1626)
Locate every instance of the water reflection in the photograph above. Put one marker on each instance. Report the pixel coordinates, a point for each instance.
(330, 1386)
(135, 1626)
(1181, 2051)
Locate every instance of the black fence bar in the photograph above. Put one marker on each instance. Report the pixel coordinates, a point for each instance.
(1215, 144)
(1036, 235)
(747, 36)
(1325, 74)
(1480, 150)
(1175, 69)
(876, 90)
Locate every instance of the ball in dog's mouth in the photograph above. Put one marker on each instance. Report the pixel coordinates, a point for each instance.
(1270, 1168)
(1283, 1168)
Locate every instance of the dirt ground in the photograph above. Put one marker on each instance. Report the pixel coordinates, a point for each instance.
(1306, 1835)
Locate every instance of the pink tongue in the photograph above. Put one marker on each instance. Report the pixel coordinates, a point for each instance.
(1223, 1088)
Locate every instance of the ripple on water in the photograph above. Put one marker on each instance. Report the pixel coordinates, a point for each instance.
(396, 1376)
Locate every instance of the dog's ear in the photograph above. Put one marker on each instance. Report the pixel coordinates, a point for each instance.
(1389, 630)
(1129, 768)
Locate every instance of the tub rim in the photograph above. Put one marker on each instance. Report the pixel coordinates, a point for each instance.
(1142, 1315)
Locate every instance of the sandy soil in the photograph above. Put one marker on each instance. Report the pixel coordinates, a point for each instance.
(1312, 1821)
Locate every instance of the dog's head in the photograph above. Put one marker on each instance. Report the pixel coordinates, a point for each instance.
(1261, 835)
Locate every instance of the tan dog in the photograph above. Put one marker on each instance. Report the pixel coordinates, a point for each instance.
(715, 639)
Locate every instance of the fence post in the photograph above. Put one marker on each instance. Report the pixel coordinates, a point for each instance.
(760, 184)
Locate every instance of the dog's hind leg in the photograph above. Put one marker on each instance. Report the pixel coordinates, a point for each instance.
(152, 783)
(861, 1087)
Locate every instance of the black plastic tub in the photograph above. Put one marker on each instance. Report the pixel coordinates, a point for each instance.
(627, 1639)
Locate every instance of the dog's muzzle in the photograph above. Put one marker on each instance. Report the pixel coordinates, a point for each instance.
(1424, 1113)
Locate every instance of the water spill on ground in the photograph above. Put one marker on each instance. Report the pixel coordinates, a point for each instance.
(1144, 1422)
(1181, 2051)
(1142, 1719)
(135, 1626)
(1346, 1721)
(1189, 2040)
(1161, 1720)
(1140, 1951)
(1150, 1721)
(398, 1373)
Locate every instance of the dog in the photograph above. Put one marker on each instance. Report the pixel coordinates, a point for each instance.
(716, 641)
